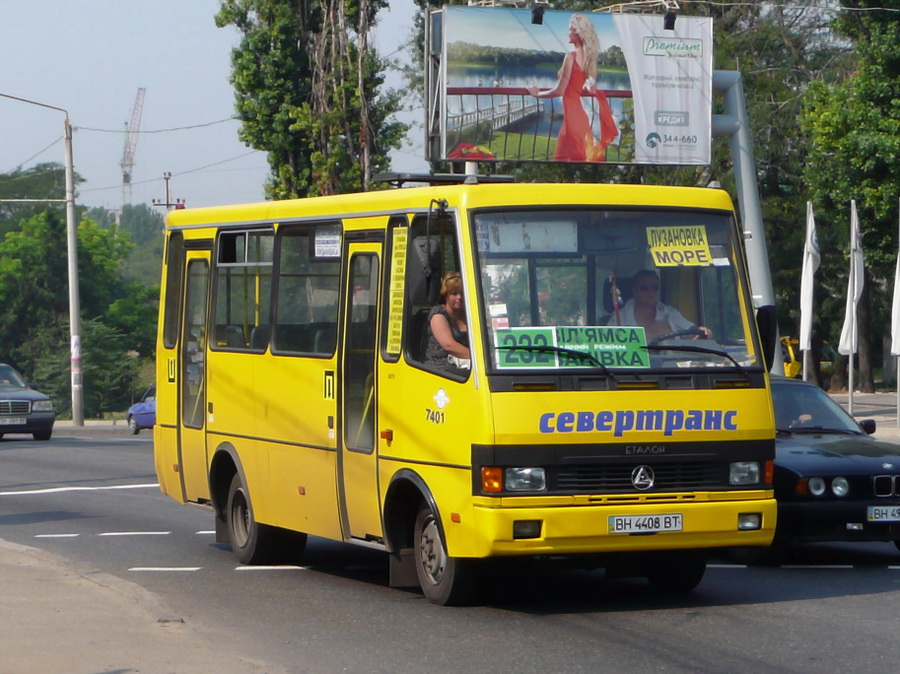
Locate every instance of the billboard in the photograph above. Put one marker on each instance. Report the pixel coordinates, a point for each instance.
(580, 87)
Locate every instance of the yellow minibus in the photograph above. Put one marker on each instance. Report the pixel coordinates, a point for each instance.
(614, 409)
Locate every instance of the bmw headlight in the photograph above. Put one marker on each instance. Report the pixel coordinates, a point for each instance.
(840, 486)
(816, 486)
(42, 406)
(526, 479)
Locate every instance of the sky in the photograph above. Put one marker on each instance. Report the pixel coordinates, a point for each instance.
(512, 29)
(90, 57)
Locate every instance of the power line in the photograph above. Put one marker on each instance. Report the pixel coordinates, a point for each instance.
(181, 173)
(175, 128)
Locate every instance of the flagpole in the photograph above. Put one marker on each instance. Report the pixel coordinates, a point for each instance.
(849, 343)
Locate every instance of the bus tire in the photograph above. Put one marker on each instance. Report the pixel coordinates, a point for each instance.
(445, 580)
(251, 542)
(677, 573)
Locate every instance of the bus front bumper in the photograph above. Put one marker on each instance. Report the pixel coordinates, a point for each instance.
(531, 529)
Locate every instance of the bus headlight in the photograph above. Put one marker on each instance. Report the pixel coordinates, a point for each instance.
(526, 479)
(744, 472)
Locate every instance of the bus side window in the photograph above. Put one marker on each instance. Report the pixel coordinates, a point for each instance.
(243, 288)
(306, 303)
(432, 253)
(423, 284)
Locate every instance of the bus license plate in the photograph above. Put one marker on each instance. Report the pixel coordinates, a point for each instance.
(12, 421)
(644, 524)
(883, 514)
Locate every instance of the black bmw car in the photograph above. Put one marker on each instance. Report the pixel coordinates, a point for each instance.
(832, 481)
(22, 409)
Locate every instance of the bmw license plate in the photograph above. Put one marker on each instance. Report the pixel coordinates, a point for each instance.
(883, 514)
(12, 421)
(644, 524)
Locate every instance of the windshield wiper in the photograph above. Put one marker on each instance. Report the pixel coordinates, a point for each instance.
(539, 348)
(698, 349)
(821, 429)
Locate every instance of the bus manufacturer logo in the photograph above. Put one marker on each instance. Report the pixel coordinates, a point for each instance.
(642, 477)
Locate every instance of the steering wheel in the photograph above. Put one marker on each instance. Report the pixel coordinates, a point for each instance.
(688, 332)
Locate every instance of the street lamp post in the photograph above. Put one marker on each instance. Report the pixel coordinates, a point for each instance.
(72, 251)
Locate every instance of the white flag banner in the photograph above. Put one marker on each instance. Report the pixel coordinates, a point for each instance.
(849, 334)
(811, 260)
(895, 313)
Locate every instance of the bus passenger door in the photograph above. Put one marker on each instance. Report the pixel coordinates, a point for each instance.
(192, 379)
(358, 461)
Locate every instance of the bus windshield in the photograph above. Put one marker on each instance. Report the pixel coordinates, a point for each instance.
(630, 290)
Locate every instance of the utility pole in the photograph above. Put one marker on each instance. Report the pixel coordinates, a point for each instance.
(168, 203)
(72, 251)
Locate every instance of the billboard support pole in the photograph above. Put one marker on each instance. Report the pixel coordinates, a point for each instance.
(736, 124)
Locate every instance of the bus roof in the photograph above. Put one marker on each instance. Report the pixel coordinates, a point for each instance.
(480, 195)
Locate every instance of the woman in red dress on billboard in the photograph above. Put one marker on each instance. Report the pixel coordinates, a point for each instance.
(576, 141)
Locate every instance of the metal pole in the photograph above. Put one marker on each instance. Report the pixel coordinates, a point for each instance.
(72, 253)
(74, 300)
(735, 124)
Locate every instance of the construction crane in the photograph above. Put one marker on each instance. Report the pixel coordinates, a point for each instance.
(132, 128)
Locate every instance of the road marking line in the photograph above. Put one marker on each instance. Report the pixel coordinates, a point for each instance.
(205, 533)
(166, 568)
(59, 490)
(56, 535)
(135, 533)
(283, 567)
(816, 566)
(726, 566)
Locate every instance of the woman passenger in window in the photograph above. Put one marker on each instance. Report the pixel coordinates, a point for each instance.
(448, 333)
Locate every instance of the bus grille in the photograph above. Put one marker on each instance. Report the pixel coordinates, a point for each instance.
(668, 477)
(14, 407)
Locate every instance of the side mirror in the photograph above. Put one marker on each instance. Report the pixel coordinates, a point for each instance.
(768, 333)
(868, 425)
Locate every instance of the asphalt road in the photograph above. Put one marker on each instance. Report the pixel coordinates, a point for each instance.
(94, 500)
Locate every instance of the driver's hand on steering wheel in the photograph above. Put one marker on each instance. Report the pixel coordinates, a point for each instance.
(707, 332)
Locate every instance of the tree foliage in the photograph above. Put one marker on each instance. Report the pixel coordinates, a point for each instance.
(308, 92)
(118, 317)
(853, 131)
(42, 181)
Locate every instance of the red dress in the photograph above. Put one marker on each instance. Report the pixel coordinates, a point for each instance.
(576, 142)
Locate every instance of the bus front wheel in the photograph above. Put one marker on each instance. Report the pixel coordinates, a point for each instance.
(251, 542)
(445, 580)
(677, 573)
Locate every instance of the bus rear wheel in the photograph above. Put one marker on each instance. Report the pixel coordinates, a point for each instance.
(251, 542)
(444, 580)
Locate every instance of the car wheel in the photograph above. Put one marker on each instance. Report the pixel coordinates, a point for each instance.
(445, 580)
(132, 426)
(40, 435)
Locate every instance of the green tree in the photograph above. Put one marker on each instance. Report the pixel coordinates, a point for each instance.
(109, 371)
(145, 228)
(307, 89)
(118, 318)
(42, 181)
(853, 127)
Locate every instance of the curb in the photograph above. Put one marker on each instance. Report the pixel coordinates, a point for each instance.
(149, 602)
